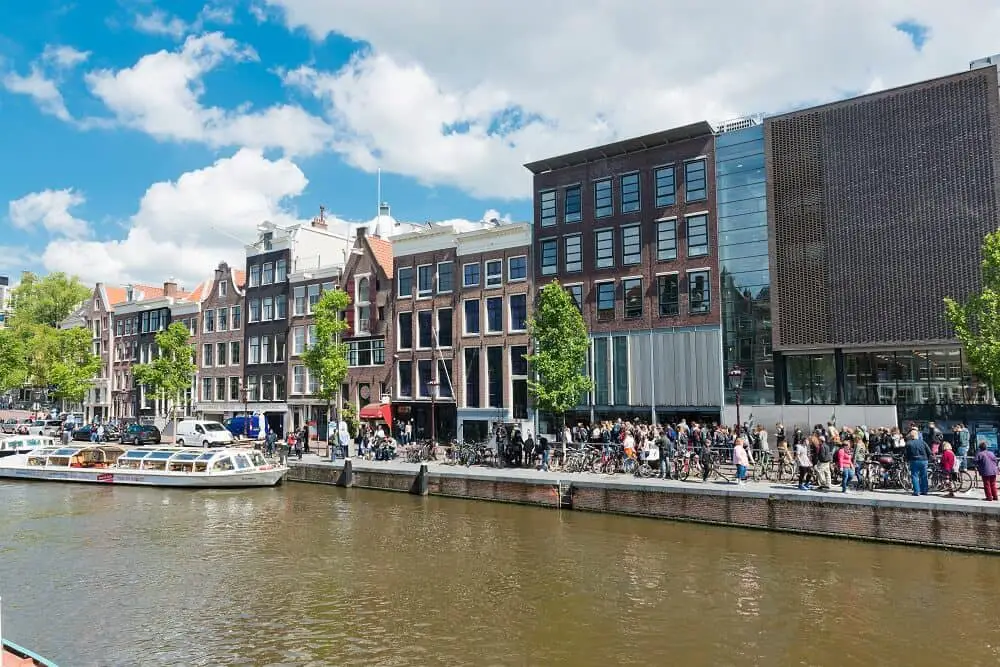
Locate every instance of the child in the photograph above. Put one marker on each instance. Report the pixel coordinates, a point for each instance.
(948, 467)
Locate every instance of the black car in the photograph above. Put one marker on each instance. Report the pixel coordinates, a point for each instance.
(141, 434)
(85, 431)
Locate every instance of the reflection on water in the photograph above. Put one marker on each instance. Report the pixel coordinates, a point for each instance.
(308, 575)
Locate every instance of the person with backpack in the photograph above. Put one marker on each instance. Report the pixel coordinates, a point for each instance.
(824, 457)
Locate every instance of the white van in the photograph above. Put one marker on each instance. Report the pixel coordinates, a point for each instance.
(196, 433)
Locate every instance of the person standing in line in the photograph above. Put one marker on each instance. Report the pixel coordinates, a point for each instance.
(803, 461)
(917, 453)
(845, 461)
(949, 466)
(962, 452)
(824, 457)
(741, 459)
(543, 443)
(986, 464)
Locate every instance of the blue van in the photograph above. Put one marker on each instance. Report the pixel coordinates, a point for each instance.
(253, 427)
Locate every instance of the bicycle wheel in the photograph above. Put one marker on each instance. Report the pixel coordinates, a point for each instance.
(965, 482)
(905, 480)
(683, 470)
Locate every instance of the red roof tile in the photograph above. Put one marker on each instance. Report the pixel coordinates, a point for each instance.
(382, 252)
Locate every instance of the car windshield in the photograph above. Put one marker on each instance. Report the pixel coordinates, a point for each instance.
(134, 428)
(214, 427)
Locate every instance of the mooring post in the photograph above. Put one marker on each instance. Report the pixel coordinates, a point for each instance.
(420, 483)
(346, 474)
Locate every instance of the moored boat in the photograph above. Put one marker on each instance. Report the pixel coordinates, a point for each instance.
(12, 655)
(145, 466)
(22, 444)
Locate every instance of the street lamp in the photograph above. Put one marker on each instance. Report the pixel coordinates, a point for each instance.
(433, 384)
(736, 384)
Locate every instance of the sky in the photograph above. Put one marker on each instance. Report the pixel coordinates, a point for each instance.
(146, 139)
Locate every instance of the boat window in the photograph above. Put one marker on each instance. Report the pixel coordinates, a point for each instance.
(136, 454)
(258, 459)
(223, 464)
(186, 456)
(150, 464)
(65, 451)
(161, 455)
(242, 463)
(206, 456)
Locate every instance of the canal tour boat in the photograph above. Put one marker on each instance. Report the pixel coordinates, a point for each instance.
(12, 655)
(145, 466)
(22, 444)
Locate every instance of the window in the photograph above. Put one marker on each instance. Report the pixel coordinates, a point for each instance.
(699, 292)
(494, 376)
(604, 241)
(220, 389)
(550, 257)
(279, 347)
(424, 371)
(694, 180)
(631, 245)
(298, 379)
(470, 275)
(667, 295)
(547, 207)
(494, 273)
(311, 338)
(517, 268)
(405, 375)
(697, 235)
(518, 312)
(576, 291)
(329, 287)
(573, 253)
(572, 204)
(405, 334)
(444, 379)
(234, 389)
(362, 306)
(281, 307)
(473, 384)
(265, 350)
(632, 295)
(268, 309)
(255, 275)
(299, 300)
(220, 353)
(298, 340)
(280, 271)
(254, 357)
(444, 318)
(445, 277)
(630, 193)
(145, 322)
(312, 385)
(665, 188)
(425, 336)
(234, 353)
(425, 280)
(267, 274)
(209, 321)
(518, 360)
(255, 310)
(222, 319)
(494, 314)
(666, 240)
(366, 352)
(223, 288)
(252, 388)
(603, 204)
(206, 389)
(236, 313)
(206, 355)
(154, 320)
(267, 388)
(313, 293)
(471, 309)
(405, 282)
(605, 301)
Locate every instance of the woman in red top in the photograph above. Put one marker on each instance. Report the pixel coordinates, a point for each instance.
(948, 467)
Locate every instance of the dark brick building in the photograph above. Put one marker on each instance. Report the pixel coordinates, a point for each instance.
(630, 230)
(220, 345)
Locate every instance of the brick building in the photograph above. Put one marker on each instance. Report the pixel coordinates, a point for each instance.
(630, 230)
(220, 345)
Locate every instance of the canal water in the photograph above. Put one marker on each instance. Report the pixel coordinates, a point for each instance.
(311, 575)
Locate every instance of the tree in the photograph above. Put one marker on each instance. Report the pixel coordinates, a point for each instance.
(47, 300)
(560, 351)
(326, 357)
(71, 364)
(977, 321)
(170, 374)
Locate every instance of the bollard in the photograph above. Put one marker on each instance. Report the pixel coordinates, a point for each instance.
(419, 487)
(347, 474)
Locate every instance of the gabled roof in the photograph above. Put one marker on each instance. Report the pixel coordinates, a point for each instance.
(200, 290)
(117, 295)
(382, 252)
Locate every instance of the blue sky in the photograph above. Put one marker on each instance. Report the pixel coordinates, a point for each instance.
(144, 138)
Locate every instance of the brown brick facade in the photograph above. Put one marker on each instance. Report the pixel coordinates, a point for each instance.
(222, 300)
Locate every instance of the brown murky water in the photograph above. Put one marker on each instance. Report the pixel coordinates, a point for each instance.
(309, 575)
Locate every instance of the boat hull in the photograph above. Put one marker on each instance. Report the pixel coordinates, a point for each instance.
(107, 476)
(15, 655)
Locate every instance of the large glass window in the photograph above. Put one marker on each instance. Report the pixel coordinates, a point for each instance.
(666, 240)
(444, 331)
(444, 379)
(605, 301)
(576, 291)
(694, 180)
(518, 360)
(631, 245)
(665, 189)
(574, 253)
(603, 201)
(518, 312)
(632, 293)
(470, 275)
(424, 376)
(621, 396)
(547, 207)
(494, 273)
(550, 257)
(425, 337)
(445, 279)
(810, 379)
(517, 268)
(366, 352)
(699, 292)
(494, 376)
(471, 312)
(425, 280)
(255, 275)
(602, 388)
(668, 295)
(572, 204)
(405, 375)
(697, 235)
(405, 332)
(604, 242)
(267, 275)
(630, 193)
(494, 314)
(312, 292)
(473, 384)
(404, 281)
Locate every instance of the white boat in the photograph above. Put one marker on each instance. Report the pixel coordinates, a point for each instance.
(145, 466)
(22, 444)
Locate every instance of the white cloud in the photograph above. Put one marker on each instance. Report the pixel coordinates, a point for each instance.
(64, 56)
(160, 95)
(582, 73)
(158, 22)
(51, 210)
(41, 83)
(220, 14)
(184, 228)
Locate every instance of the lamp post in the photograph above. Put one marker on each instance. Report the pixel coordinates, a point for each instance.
(433, 384)
(736, 384)
(245, 397)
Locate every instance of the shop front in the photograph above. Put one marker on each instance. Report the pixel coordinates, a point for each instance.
(418, 416)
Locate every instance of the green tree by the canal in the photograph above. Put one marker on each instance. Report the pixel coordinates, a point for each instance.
(326, 357)
(171, 373)
(977, 321)
(560, 342)
(34, 351)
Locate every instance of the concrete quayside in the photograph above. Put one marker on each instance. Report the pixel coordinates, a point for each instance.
(965, 523)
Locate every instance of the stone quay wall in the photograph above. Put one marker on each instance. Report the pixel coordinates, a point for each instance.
(965, 524)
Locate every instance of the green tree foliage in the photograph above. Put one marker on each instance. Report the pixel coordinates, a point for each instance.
(47, 300)
(560, 351)
(977, 321)
(171, 373)
(72, 365)
(326, 357)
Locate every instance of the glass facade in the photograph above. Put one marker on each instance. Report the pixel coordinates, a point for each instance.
(743, 262)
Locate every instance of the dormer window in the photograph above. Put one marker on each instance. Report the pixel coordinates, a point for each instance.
(266, 239)
(363, 306)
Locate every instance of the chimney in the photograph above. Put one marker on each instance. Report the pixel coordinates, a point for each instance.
(319, 221)
(218, 272)
(362, 231)
(170, 288)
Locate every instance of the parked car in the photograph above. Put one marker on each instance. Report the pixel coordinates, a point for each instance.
(49, 427)
(253, 427)
(141, 434)
(9, 426)
(85, 431)
(196, 433)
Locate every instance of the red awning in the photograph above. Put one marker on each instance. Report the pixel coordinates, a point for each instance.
(377, 411)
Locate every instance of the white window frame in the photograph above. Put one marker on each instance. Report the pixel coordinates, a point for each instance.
(545, 269)
(399, 329)
(479, 277)
(239, 352)
(359, 304)
(486, 313)
(429, 292)
(437, 277)
(510, 313)
(509, 262)
(638, 228)
(416, 341)
(436, 328)
(554, 218)
(223, 288)
(687, 232)
(566, 267)
(498, 275)
(465, 326)
(399, 276)
(621, 192)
